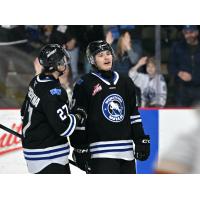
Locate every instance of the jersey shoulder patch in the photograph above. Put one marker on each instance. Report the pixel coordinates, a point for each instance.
(55, 91)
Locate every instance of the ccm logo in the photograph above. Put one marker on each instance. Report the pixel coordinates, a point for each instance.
(145, 141)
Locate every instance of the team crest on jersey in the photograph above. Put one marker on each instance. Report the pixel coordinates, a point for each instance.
(96, 88)
(113, 108)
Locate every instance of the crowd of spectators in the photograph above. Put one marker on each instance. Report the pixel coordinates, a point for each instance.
(176, 84)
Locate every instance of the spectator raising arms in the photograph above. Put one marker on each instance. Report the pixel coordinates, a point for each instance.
(127, 53)
(152, 85)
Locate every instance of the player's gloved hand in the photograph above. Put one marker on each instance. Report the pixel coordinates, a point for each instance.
(142, 148)
(81, 116)
(82, 157)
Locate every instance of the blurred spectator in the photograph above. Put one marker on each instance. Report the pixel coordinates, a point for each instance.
(71, 46)
(112, 34)
(128, 52)
(65, 36)
(116, 30)
(152, 85)
(110, 38)
(33, 33)
(185, 66)
(38, 35)
(46, 33)
(66, 83)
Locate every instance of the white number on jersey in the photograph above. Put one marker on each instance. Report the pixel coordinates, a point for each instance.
(61, 112)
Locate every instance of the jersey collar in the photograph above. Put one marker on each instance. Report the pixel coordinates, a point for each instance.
(115, 79)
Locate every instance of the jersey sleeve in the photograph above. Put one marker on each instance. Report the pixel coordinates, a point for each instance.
(56, 110)
(80, 100)
(135, 118)
(23, 108)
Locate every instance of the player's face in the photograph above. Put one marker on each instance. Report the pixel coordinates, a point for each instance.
(103, 60)
(151, 69)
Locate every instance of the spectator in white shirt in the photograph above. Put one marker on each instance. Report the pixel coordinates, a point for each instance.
(152, 85)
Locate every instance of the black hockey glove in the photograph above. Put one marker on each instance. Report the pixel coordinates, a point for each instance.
(82, 157)
(142, 148)
(81, 116)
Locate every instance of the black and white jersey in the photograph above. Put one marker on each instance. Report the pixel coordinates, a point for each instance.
(113, 119)
(46, 123)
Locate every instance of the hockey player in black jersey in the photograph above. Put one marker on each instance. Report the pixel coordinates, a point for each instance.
(113, 124)
(45, 116)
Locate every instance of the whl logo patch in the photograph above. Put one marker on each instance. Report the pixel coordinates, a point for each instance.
(97, 88)
(113, 108)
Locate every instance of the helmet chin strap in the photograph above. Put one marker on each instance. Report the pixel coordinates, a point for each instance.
(60, 74)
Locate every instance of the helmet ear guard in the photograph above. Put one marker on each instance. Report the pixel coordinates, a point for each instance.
(92, 62)
(68, 56)
(90, 57)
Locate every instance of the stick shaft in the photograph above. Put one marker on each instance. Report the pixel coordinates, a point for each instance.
(10, 131)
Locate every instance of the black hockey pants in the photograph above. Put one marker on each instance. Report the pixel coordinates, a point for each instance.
(112, 166)
(55, 168)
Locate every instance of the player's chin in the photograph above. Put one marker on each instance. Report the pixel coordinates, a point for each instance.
(107, 67)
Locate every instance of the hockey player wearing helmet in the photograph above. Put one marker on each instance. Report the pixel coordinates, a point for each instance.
(46, 121)
(113, 121)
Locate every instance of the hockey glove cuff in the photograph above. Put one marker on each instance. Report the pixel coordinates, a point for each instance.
(142, 148)
(81, 157)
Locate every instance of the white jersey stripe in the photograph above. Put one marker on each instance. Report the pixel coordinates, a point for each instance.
(47, 149)
(71, 126)
(136, 121)
(110, 142)
(134, 116)
(120, 149)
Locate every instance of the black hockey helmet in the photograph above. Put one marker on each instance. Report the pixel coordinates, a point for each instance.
(52, 55)
(95, 47)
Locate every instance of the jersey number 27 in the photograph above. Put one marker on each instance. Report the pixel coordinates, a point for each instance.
(62, 111)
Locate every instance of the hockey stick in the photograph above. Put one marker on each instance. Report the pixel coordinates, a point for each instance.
(10, 131)
(20, 136)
